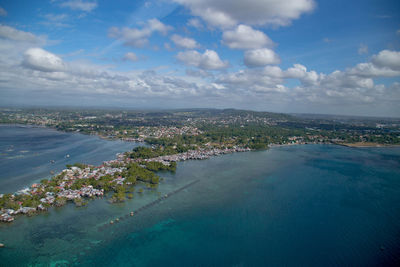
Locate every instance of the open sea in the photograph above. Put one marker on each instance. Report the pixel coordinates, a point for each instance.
(308, 205)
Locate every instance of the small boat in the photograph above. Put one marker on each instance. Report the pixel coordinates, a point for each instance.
(67, 156)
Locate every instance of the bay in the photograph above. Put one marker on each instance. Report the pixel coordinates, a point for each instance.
(28, 154)
(310, 205)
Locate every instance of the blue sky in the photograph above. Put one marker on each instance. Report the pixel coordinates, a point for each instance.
(338, 57)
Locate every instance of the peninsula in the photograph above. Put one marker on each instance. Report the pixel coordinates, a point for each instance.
(171, 136)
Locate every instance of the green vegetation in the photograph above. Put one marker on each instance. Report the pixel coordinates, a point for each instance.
(158, 166)
(142, 152)
(79, 202)
(138, 173)
(119, 195)
(60, 201)
(177, 131)
(174, 132)
(79, 165)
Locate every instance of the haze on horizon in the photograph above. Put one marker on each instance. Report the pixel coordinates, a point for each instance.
(292, 56)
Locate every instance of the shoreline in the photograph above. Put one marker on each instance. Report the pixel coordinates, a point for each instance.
(366, 145)
(73, 174)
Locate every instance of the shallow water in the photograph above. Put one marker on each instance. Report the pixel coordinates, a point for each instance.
(314, 205)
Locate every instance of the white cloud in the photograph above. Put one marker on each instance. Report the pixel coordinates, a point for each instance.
(80, 5)
(139, 37)
(245, 37)
(3, 12)
(16, 35)
(227, 13)
(371, 70)
(154, 25)
(387, 58)
(209, 60)
(268, 79)
(130, 56)
(194, 22)
(363, 49)
(43, 75)
(300, 72)
(39, 59)
(184, 42)
(260, 57)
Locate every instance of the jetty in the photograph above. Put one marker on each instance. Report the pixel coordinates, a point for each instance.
(148, 205)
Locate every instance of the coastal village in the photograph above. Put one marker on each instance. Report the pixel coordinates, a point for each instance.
(63, 191)
(172, 136)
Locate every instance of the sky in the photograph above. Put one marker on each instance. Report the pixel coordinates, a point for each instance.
(292, 56)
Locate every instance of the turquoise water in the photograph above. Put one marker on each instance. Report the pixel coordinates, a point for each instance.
(313, 205)
(26, 153)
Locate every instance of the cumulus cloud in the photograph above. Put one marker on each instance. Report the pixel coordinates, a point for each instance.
(184, 42)
(371, 70)
(245, 37)
(268, 79)
(130, 56)
(209, 60)
(36, 73)
(349, 88)
(139, 37)
(39, 59)
(10, 33)
(387, 58)
(227, 13)
(79, 5)
(3, 12)
(261, 57)
(300, 72)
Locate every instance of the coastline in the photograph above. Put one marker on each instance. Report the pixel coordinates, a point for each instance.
(75, 174)
(218, 195)
(122, 160)
(365, 144)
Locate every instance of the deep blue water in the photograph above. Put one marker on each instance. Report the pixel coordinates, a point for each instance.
(313, 205)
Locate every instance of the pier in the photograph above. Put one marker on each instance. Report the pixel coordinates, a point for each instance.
(148, 205)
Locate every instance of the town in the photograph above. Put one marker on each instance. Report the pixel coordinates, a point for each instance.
(80, 182)
(172, 136)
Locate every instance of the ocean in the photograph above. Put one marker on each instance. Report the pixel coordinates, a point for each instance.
(306, 205)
